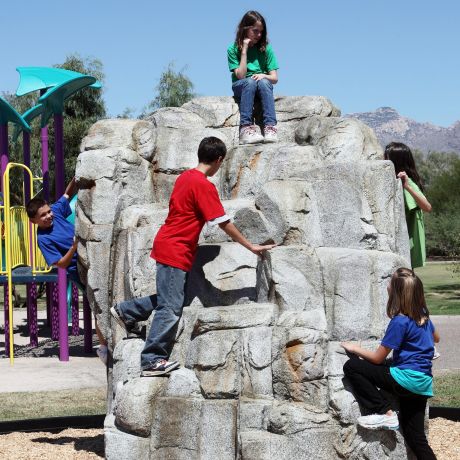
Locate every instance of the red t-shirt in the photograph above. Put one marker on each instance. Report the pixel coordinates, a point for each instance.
(194, 201)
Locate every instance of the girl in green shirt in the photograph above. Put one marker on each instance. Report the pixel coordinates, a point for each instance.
(253, 65)
(415, 201)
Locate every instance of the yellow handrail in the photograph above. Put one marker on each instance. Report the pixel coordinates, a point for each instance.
(20, 242)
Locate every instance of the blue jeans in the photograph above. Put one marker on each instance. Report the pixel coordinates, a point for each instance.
(245, 91)
(168, 305)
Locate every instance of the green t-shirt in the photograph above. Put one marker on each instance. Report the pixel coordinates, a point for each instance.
(415, 227)
(258, 62)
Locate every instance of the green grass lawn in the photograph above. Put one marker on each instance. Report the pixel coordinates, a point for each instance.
(446, 390)
(442, 288)
(19, 406)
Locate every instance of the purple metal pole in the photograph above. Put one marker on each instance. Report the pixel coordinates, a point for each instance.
(63, 324)
(31, 321)
(45, 159)
(75, 312)
(54, 311)
(3, 151)
(59, 172)
(46, 197)
(45, 163)
(87, 326)
(26, 153)
(59, 175)
(7, 319)
(33, 324)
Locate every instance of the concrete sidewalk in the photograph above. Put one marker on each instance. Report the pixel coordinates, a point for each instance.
(45, 372)
(449, 330)
(50, 374)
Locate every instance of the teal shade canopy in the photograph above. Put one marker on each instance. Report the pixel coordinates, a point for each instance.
(53, 100)
(28, 116)
(8, 113)
(37, 78)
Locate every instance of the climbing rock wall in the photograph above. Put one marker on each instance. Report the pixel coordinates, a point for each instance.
(259, 341)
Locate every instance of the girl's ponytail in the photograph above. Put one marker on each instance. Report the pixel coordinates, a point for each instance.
(406, 296)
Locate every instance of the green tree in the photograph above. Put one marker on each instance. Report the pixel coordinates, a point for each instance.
(80, 112)
(443, 224)
(173, 90)
(431, 165)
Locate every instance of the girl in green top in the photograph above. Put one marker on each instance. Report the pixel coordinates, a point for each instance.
(254, 72)
(415, 202)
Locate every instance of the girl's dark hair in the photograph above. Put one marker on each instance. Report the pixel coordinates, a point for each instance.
(248, 20)
(407, 296)
(211, 149)
(401, 156)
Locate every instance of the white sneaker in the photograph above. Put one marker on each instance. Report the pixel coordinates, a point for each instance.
(436, 354)
(102, 353)
(250, 135)
(379, 421)
(270, 134)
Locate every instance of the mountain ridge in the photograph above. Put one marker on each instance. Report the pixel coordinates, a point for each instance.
(389, 125)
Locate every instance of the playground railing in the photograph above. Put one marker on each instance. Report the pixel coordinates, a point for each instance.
(19, 242)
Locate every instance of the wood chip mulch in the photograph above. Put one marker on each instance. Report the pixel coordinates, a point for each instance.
(444, 438)
(70, 444)
(80, 444)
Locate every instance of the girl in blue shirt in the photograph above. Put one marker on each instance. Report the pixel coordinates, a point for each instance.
(411, 336)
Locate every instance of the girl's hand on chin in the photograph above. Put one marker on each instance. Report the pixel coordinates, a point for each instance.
(247, 42)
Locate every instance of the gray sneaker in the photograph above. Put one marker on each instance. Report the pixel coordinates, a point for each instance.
(160, 367)
(270, 134)
(250, 135)
(379, 421)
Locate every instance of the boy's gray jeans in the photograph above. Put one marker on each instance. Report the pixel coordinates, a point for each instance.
(168, 305)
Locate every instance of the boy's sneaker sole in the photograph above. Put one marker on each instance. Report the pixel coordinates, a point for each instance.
(155, 373)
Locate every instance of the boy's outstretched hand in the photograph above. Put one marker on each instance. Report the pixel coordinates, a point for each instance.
(236, 235)
(259, 250)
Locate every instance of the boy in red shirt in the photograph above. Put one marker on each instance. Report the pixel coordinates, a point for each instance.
(194, 201)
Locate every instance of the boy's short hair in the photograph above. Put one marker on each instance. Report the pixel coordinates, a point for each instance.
(210, 149)
(34, 205)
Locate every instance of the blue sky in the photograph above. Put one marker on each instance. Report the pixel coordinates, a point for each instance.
(362, 54)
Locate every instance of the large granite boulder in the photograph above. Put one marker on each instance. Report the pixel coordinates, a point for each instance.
(259, 340)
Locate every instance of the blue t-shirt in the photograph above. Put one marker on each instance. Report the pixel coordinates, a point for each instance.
(413, 349)
(54, 242)
(412, 345)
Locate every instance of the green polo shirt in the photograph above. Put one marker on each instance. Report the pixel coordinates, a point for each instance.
(415, 227)
(257, 61)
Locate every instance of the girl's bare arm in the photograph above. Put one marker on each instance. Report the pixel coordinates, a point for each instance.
(421, 201)
(271, 76)
(241, 71)
(374, 357)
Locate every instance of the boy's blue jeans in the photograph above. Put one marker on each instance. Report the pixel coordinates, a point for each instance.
(168, 305)
(245, 91)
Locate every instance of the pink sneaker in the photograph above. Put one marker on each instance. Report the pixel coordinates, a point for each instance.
(250, 135)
